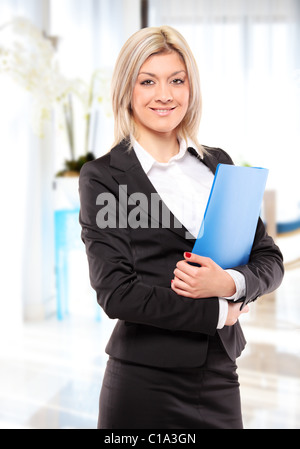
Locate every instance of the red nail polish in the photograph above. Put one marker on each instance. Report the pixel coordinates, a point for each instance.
(188, 255)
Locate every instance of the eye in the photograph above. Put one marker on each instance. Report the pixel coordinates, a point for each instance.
(147, 83)
(178, 81)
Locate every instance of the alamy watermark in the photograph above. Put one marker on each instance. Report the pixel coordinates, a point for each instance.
(135, 211)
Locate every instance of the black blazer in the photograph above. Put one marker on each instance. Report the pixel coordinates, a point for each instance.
(131, 270)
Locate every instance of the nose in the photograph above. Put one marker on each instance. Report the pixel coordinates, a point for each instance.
(163, 94)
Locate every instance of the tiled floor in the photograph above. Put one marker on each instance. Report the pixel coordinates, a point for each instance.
(50, 374)
(270, 366)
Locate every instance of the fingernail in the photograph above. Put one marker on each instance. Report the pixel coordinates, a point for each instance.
(188, 255)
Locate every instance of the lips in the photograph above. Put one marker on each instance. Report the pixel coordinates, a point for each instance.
(163, 111)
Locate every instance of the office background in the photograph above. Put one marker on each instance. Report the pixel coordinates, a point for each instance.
(52, 333)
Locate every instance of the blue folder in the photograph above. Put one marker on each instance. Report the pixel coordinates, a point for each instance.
(230, 219)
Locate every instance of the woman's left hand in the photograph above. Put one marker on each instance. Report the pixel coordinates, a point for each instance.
(208, 280)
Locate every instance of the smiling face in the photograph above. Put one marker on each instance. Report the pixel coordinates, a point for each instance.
(161, 95)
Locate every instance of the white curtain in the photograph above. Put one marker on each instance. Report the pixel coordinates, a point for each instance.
(249, 59)
(92, 32)
(22, 190)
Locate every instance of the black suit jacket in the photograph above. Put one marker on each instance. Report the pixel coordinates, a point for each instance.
(131, 269)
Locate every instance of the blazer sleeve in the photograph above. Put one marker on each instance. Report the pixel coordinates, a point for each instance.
(265, 270)
(120, 291)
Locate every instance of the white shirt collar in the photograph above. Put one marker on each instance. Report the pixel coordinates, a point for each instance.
(147, 161)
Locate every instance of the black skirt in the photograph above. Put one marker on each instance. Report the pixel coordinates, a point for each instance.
(144, 397)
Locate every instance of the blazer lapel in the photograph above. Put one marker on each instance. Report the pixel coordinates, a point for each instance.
(128, 172)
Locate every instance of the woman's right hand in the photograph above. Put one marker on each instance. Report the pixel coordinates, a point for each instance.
(234, 312)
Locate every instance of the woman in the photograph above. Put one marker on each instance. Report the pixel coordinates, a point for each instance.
(174, 347)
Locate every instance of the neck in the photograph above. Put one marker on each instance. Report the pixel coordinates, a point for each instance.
(161, 146)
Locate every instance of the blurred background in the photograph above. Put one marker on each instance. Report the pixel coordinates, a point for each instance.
(56, 60)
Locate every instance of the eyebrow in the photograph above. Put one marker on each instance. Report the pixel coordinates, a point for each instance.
(153, 74)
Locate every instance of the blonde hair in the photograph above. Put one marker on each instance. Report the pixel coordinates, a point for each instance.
(138, 48)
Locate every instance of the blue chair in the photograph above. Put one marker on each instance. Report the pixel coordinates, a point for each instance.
(288, 227)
